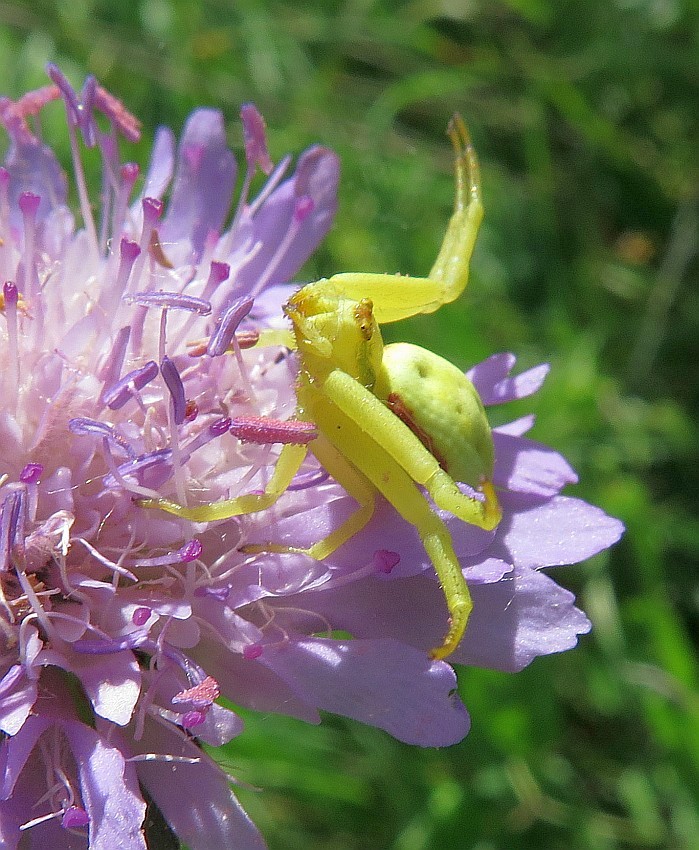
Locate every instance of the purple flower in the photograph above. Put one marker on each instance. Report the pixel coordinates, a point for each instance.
(126, 374)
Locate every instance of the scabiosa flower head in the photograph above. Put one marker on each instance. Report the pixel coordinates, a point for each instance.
(129, 373)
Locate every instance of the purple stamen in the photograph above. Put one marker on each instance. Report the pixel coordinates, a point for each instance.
(216, 429)
(189, 552)
(29, 203)
(124, 389)
(83, 427)
(175, 387)
(219, 427)
(75, 116)
(384, 560)
(67, 92)
(170, 301)
(74, 817)
(231, 319)
(254, 138)
(141, 616)
(303, 207)
(86, 107)
(308, 479)
(31, 473)
(157, 465)
(259, 429)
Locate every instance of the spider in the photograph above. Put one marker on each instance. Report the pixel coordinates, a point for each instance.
(396, 419)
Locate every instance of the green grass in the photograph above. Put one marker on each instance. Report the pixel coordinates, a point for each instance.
(585, 119)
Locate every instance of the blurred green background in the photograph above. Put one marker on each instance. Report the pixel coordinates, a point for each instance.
(585, 116)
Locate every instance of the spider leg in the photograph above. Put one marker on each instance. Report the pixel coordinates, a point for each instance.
(395, 438)
(356, 486)
(288, 464)
(397, 297)
(357, 441)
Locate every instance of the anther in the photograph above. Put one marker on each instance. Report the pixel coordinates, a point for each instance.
(124, 389)
(170, 301)
(31, 473)
(226, 328)
(175, 387)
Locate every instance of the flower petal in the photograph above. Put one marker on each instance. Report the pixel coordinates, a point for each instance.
(529, 467)
(204, 181)
(494, 386)
(161, 166)
(16, 704)
(34, 168)
(16, 751)
(515, 621)
(317, 175)
(211, 818)
(380, 682)
(561, 530)
(109, 790)
(112, 688)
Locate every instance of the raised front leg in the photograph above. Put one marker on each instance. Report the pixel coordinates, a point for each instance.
(397, 297)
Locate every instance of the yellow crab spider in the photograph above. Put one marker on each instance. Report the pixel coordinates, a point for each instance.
(392, 419)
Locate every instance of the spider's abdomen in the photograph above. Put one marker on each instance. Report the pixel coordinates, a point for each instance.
(441, 406)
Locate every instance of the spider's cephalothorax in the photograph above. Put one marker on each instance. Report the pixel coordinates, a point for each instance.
(333, 332)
